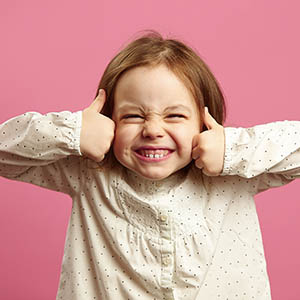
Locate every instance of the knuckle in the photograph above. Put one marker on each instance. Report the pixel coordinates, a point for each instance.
(110, 137)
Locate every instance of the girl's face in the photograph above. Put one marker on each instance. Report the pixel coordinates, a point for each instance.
(156, 119)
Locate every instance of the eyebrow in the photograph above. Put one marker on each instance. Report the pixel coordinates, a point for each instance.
(180, 106)
(169, 108)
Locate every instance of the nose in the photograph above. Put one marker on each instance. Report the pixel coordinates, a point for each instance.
(152, 129)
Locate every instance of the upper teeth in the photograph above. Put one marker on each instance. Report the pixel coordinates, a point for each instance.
(154, 153)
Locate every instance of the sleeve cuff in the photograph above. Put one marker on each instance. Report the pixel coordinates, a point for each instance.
(229, 140)
(77, 130)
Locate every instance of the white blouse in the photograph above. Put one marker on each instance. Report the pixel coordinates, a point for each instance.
(189, 236)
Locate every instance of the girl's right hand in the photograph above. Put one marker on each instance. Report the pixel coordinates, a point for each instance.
(97, 132)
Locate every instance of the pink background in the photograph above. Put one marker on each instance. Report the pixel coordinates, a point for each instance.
(52, 56)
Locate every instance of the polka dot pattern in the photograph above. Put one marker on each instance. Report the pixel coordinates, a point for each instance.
(189, 236)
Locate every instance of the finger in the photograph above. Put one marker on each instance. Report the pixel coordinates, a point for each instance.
(99, 101)
(199, 164)
(195, 141)
(208, 120)
(96, 159)
(99, 159)
(196, 153)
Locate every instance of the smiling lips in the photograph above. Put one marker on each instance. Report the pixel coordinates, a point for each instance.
(154, 154)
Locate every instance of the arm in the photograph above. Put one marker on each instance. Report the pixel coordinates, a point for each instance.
(38, 148)
(268, 153)
(45, 149)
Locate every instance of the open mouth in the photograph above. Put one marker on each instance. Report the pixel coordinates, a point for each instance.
(153, 154)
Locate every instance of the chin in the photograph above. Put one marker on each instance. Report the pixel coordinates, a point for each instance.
(152, 175)
(156, 178)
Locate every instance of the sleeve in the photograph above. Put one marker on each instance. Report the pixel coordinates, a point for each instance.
(269, 153)
(42, 149)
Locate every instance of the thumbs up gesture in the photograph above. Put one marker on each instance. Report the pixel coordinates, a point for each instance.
(209, 147)
(97, 130)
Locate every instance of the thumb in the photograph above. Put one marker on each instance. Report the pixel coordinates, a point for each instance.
(208, 120)
(99, 101)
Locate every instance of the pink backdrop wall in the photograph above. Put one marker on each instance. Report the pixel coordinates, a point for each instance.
(52, 55)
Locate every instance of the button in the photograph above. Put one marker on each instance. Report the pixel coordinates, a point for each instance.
(163, 218)
(166, 261)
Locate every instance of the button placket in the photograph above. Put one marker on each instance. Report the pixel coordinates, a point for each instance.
(167, 249)
(163, 218)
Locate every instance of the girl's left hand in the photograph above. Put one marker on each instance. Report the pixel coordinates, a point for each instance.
(209, 147)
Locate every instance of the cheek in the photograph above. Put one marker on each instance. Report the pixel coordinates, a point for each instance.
(184, 137)
(122, 141)
(119, 142)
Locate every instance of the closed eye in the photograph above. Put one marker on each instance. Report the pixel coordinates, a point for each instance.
(132, 117)
(175, 116)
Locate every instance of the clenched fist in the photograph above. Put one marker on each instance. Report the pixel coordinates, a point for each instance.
(97, 132)
(209, 147)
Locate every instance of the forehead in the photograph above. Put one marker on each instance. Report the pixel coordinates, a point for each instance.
(153, 88)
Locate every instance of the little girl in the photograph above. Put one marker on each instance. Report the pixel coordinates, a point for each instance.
(167, 212)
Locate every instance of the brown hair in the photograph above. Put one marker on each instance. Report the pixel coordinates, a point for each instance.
(151, 49)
